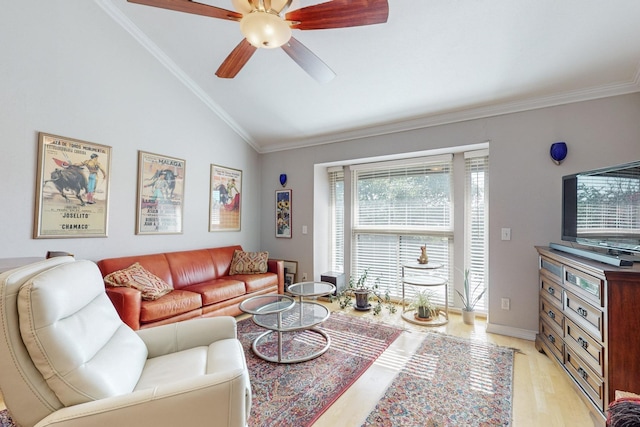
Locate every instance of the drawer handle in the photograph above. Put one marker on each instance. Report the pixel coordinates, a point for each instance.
(552, 339)
(551, 291)
(583, 343)
(583, 374)
(551, 314)
(582, 312)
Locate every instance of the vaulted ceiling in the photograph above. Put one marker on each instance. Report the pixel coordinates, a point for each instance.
(433, 62)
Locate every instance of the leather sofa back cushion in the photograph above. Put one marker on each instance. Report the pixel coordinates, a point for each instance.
(222, 258)
(191, 267)
(249, 262)
(137, 277)
(75, 337)
(155, 263)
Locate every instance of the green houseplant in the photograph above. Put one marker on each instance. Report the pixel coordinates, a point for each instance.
(468, 300)
(424, 307)
(365, 291)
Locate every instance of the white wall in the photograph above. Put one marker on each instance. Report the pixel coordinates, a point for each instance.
(68, 69)
(525, 185)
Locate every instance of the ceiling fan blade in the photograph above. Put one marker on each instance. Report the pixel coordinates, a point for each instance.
(236, 60)
(189, 6)
(339, 14)
(308, 61)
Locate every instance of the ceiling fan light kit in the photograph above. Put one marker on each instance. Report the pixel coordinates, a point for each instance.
(265, 29)
(267, 24)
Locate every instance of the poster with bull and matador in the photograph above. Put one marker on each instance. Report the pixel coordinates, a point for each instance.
(160, 194)
(72, 188)
(224, 204)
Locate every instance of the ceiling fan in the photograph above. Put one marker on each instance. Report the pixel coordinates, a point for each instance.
(268, 24)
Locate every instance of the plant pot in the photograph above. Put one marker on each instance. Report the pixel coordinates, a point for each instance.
(362, 300)
(424, 313)
(468, 317)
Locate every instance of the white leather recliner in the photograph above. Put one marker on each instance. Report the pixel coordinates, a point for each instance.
(66, 358)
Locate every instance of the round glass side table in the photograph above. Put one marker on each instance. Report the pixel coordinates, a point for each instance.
(424, 280)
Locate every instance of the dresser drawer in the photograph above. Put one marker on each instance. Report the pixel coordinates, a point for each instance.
(551, 268)
(552, 314)
(553, 340)
(584, 314)
(589, 287)
(590, 350)
(590, 382)
(551, 289)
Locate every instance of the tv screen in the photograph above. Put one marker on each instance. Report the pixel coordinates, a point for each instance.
(602, 208)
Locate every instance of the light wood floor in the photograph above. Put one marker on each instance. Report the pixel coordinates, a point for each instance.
(543, 395)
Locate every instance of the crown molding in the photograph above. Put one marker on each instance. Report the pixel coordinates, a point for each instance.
(589, 94)
(120, 18)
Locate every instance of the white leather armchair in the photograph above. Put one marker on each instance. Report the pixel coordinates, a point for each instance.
(66, 358)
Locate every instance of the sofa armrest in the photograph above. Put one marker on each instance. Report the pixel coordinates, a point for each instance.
(277, 266)
(179, 336)
(221, 399)
(127, 302)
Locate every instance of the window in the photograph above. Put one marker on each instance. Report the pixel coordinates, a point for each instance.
(336, 194)
(476, 221)
(398, 207)
(394, 208)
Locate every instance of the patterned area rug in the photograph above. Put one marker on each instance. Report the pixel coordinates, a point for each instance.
(297, 394)
(449, 381)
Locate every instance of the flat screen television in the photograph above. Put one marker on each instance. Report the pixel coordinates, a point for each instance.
(601, 208)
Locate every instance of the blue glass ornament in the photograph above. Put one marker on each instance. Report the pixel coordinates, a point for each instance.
(283, 179)
(558, 152)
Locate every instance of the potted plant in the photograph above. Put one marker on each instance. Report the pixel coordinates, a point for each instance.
(424, 307)
(365, 292)
(468, 300)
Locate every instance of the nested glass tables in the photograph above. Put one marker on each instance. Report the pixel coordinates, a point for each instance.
(415, 274)
(292, 321)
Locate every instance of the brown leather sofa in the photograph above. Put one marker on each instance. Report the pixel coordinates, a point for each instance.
(202, 286)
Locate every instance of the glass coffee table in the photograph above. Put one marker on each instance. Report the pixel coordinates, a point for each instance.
(294, 323)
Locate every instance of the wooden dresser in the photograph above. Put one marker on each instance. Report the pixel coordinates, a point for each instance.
(590, 324)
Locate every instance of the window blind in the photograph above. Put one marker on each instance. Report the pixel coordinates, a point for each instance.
(476, 222)
(336, 205)
(397, 209)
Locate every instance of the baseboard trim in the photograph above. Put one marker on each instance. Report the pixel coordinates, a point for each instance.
(524, 334)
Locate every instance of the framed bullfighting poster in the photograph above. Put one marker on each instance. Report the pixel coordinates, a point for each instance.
(224, 204)
(72, 188)
(160, 194)
(283, 213)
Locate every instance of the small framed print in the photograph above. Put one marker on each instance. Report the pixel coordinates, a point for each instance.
(224, 204)
(289, 279)
(72, 188)
(283, 213)
(290, 273)
(160, 194)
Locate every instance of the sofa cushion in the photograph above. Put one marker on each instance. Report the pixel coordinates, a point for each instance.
(175, 303)
(137, 277)
(190, 267)
(75, 337)
(249, 262)
(258, 282)
(218, 290)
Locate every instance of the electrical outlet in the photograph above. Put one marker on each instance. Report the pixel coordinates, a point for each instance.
(506, 304)
(506, 234)
(304, 276)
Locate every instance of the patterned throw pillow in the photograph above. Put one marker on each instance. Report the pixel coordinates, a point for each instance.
(137, 277)
(248, 262)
